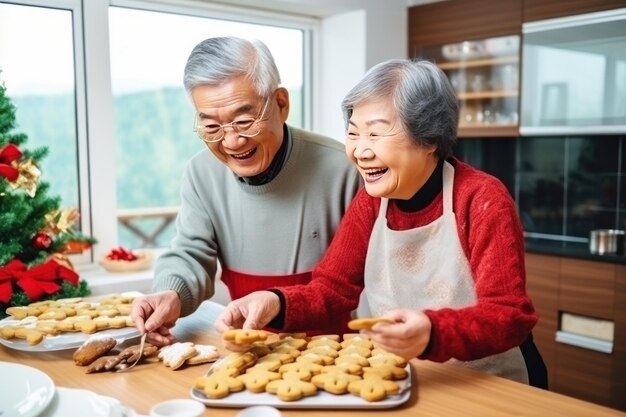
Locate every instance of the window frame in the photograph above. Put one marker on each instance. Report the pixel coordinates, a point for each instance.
(94, 98)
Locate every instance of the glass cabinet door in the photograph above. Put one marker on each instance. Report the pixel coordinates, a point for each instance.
(485, 75)
(574, 75)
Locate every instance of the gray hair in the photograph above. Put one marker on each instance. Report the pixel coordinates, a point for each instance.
(421, 96)
(216, 60)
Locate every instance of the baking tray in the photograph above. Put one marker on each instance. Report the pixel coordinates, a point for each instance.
(322, 399)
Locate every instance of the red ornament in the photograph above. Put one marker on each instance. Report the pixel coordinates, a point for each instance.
(42, 241)
(121, 254)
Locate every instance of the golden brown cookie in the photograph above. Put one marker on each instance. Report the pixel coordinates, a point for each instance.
(367, 322)
(334, 382)
(291, 388)
(92, 348)
(257, 380)
(385, 371)
(324, 341)
(218, 385)
(99, 365)
(305, 370)
(349, 368)
(357, 340)
(380, 356)
(373, 388)
(298, 343)
(244, 336)
(352, 358)
(236, 363)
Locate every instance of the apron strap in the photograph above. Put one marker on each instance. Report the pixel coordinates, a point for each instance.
(448, 186)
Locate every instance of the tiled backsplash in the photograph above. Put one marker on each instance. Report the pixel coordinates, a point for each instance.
(564, 186)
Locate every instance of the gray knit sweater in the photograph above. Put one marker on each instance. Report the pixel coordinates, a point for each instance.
(282, 227)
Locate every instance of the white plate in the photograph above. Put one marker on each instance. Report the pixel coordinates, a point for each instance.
(27, 391)
(69, 402)
(64, 341)
(322, 399)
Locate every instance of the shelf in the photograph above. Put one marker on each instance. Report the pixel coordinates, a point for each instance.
(479, 95)
(487, 62)
(476, 131)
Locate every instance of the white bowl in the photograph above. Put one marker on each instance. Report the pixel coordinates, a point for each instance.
(178, 408)
(259, 411)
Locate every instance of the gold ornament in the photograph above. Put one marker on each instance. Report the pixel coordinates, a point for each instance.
(61, 221)
(28, 176)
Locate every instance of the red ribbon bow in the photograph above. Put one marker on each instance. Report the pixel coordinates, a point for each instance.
(34, 281)
(9, 154)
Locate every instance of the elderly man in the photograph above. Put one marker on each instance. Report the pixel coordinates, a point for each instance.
(265, 205)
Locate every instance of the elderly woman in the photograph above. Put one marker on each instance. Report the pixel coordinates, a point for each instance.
(436, 245)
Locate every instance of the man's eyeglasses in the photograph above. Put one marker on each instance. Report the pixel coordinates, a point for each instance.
(214, 132)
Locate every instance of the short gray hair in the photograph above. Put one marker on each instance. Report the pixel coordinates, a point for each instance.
(421, 96)
(217, 60)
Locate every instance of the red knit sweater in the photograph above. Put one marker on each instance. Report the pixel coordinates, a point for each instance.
(491, 235)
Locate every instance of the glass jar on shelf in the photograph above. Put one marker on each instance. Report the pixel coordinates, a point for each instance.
(485, 75)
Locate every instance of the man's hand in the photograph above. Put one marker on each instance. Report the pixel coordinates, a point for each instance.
(156, 314)
(254, 311)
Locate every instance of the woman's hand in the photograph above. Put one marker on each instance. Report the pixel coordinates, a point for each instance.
(156, 314)
(254, 311)
(407, 336)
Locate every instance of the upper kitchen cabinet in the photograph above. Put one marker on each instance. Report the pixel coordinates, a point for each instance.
(549, 9)
(574, 75)
(477, 44)
(485, 75)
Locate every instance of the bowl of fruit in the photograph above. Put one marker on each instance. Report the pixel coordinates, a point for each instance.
(120, 259)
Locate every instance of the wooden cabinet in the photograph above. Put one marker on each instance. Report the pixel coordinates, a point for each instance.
(542, 284)
(477, 46)
(588, 289)
(549, 9)
(493, 110)
(485, 76)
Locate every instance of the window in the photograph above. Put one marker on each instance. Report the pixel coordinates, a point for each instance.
(99, 83)
(37, 46)
(152, 112)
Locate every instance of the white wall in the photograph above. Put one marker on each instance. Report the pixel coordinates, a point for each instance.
(349, 44)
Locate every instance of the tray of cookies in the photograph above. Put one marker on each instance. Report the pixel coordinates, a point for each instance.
(67, 323)
(293, 371)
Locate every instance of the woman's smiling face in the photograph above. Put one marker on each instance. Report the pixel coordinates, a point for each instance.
(391, 163)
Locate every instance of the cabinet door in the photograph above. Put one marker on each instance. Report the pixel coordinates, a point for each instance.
(587, 288)
(619, 344)
(583, 373)
(574, 75)
(542, 283)
(550, 9)
(485, 76)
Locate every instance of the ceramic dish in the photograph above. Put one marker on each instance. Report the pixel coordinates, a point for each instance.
(29, 392)
(69, 402)
(322, 399)
(64, 341)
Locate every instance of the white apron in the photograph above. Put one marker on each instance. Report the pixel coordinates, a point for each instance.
(426, 268)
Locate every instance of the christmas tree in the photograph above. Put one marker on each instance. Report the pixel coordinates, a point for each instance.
(34, 230)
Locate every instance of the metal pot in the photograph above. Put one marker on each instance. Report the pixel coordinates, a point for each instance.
(606, 241)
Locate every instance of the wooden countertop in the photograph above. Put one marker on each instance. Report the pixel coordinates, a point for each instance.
(438, 389)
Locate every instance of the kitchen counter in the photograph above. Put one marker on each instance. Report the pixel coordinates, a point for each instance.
(570, 250)
(437, 389)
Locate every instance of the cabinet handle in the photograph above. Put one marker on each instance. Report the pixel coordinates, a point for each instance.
(585, 342)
